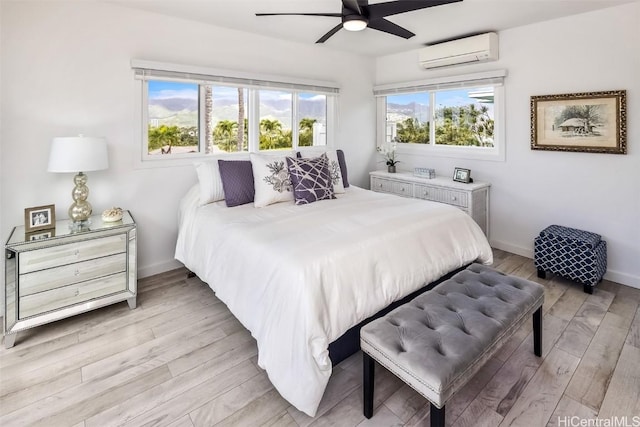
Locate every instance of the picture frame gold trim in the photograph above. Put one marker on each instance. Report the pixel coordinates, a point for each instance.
(588, 122)
(39, 218)
(40, 235)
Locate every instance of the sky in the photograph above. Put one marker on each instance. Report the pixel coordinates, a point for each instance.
(448, 97)
(164, 90)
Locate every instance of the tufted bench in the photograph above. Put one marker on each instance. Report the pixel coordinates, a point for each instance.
(438, 341)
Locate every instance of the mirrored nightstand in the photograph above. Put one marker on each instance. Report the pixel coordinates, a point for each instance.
(57, 273)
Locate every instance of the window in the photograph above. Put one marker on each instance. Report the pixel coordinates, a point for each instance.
(455, 117)
(185, 115)
(312, 125)
(275, 120)
(226, 118)
(172, 111)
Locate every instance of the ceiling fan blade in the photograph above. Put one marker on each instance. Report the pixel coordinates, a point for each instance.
(352, 5)
(380, 10)
(334, 15)
(330, 33)
(382, 24)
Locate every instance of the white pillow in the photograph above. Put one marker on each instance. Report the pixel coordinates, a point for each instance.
(209, 176)
(209, 173)
(271, 179)
(334, 166)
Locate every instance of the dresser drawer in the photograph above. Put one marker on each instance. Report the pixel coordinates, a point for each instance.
(442, 195)
(402, 189)
(381, 185)
(32, 305)
(52, 278)
(55, 256)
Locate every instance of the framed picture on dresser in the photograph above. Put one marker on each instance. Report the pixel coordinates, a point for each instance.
(462, 175)
(39, 218)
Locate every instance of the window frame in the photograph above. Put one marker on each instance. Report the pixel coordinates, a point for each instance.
(494, 79)
(148, 70)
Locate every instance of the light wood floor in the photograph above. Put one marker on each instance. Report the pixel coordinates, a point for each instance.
(181, 359)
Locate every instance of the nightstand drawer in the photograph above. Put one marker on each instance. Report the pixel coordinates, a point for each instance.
(443, 195)
(382, 185)
(52, 278)
(55, 256)
(42, 302)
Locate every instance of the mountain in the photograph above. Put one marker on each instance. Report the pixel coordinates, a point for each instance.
(184, 111)
(175, 104)
(400, 112)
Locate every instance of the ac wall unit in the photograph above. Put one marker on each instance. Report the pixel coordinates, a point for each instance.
(480, 48)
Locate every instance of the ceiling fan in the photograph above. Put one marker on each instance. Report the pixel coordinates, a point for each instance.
(357, 15)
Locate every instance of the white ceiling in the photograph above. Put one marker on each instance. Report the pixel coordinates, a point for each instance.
(429, 25)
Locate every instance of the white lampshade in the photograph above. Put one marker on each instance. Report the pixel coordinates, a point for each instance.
(78, 154)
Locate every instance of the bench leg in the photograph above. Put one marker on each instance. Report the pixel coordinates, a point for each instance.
(542, 274)
(369, 367)
(587, 289)
(437, 416)
(537, 332)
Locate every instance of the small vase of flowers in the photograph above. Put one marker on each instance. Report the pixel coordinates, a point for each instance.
(388, 152)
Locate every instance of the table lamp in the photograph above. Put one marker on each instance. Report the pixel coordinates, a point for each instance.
(78, 154)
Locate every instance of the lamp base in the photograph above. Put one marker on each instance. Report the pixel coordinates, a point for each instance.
(80, 210)
(80, 226)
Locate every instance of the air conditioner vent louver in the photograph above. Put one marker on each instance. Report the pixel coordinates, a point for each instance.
(480, 48)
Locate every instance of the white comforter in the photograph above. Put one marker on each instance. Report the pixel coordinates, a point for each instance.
(299, 276)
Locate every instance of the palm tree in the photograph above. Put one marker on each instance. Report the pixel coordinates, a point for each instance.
(305, 137)
(240, 123)
(270, 130)
(208, 114)
(161, 136)
(224, 134)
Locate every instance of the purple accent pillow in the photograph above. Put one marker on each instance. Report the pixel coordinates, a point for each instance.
(310, 179)
(343, 168)
(237, 181)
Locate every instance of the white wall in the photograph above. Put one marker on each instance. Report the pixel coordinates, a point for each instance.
(66, 70)
(532, 189)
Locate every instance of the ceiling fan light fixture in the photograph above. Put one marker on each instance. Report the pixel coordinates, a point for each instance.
(354, 23)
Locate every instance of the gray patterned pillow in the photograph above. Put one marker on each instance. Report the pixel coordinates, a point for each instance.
(237, 181)
(311, 179)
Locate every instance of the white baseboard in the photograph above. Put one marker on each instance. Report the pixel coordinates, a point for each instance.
(624, 278)
(161, 267)
(518, 250)
(612, 275)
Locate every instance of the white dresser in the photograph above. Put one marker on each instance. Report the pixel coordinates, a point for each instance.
(58, 273)
(473, 198)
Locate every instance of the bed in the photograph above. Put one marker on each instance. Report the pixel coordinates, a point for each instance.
(299, 277)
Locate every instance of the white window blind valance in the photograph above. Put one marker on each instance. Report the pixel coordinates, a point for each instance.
(489, 78)
(147, 70)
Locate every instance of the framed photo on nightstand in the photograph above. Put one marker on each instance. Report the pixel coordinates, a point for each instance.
(39, 218)
(462, 175)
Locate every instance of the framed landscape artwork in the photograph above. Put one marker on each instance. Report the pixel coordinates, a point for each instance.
(591, 122)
